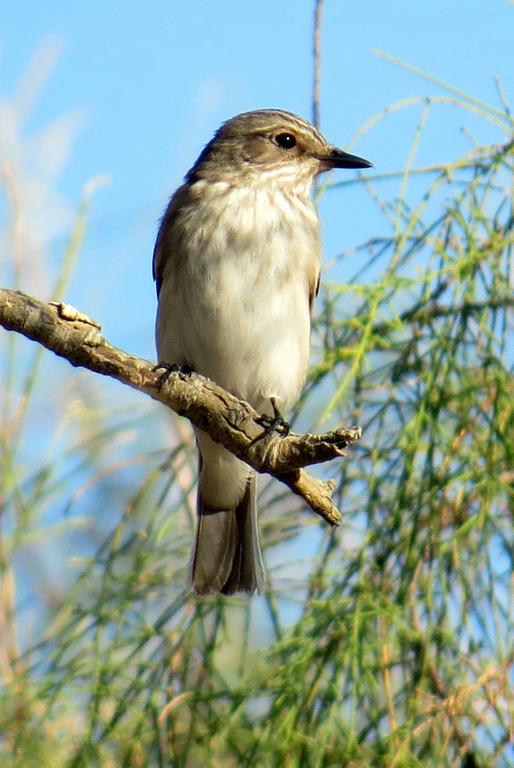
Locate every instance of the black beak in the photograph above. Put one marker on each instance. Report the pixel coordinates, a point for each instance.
(336, 158)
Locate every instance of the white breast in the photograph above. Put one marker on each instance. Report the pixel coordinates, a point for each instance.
(237, 307)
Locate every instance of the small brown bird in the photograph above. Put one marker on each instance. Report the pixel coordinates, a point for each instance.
(236, 264)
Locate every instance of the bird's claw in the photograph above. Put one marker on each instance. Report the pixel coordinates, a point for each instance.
(275, 423)
(169, 368)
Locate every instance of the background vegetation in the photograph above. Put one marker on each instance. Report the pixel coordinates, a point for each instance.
(387, 642)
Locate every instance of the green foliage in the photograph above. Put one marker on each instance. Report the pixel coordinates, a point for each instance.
(392, 645)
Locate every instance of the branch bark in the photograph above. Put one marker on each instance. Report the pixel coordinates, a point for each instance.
(78, 339)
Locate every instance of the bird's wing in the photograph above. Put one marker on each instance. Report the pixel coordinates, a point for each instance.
(164, 245)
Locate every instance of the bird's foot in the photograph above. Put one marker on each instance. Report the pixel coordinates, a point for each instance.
(169, 368)
(275, 423)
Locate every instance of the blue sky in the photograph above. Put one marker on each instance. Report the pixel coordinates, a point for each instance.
(134, 90)
(151, 82)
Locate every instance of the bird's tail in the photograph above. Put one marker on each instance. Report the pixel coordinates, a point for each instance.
(226, 555)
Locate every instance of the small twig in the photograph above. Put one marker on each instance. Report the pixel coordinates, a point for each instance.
(316, 54)
(425, 314)
(230, 421)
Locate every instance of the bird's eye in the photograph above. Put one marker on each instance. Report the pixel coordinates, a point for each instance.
(285, 140)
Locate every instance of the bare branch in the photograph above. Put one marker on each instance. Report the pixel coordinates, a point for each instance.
(72, 335)
(316, 56)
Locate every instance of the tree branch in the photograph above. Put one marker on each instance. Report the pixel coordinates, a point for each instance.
(316, 56)
(72, 335)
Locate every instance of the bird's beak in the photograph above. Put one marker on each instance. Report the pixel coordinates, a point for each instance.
(336, 158)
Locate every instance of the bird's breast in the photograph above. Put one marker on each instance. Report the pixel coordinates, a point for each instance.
(235, 305)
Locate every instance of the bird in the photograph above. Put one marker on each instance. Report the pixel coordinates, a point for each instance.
(237, 268)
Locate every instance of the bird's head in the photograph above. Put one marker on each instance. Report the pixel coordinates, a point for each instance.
(269, 144)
